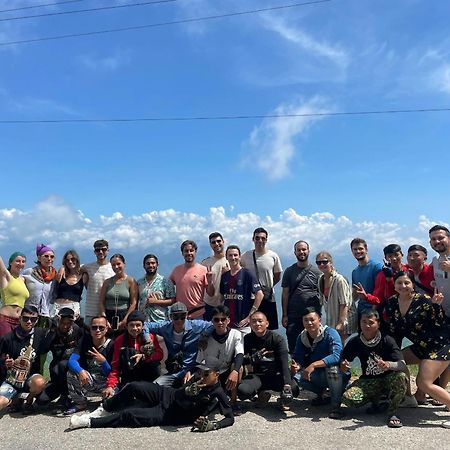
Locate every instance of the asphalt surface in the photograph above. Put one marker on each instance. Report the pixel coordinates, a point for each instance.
(258, 428)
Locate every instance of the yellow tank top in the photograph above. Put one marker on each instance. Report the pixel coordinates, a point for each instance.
(15, 293)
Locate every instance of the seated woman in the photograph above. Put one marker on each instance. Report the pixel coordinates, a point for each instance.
(421, 320)
(336, 297)
(13, 292)
(118, 296)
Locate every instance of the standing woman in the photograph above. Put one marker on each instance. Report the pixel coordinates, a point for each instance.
(118, 296)
(13, 292)
(421, 320)
(40, 281)
(69, 285)
(336, 297)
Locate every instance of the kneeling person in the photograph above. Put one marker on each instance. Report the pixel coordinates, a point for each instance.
(191, 404)
(382, 365)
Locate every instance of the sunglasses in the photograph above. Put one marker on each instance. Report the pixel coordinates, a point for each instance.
(322, 262)
(101, 250)
(206, 373)
(219, 319)
(71, 259)
(178, 316)
(98, 328)
(29, 319)
(260, 238)
(49, 256)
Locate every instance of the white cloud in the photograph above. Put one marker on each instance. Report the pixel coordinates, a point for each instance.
(110, 63)
(272, 145)
(60, 225)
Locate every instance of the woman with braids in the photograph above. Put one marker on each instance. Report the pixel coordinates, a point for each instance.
(13, 292)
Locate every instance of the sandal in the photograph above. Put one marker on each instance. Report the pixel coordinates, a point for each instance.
(394, 422)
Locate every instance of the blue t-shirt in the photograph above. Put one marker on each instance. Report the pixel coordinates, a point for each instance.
(366, 276)
(237, 292)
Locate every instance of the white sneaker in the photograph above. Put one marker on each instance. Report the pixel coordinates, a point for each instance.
(409, 402)
(99, 412)
(83, 421)
(446, 424)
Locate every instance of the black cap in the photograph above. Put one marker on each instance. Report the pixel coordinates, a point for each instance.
(210, 364)
(136, 316)
(66, 312)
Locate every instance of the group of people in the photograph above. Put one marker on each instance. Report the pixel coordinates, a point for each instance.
(172, 350)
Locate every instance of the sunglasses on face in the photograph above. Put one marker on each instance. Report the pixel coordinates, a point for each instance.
(260, 238)
(219, 319)
(101, 250)
(71, 260)
(178, 316)
(31, 319)
(49, 256)
(206, 373)
(98, 328)
(322, 262)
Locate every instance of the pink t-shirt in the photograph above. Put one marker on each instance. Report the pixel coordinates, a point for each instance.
(190, 283)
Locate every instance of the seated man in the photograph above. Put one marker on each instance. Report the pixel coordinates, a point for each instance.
(20, 352)
(181, 338)
(65, 336)
(225, 345)
(382, 365)
(132, 360)
(190, 404)
(89, 365)
(266, 357)
(316, 357)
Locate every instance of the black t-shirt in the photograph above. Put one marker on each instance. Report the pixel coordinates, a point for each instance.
(85, 345)
(63, 345)
(387, 350)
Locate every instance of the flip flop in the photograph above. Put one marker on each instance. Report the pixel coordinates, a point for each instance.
(394, 422)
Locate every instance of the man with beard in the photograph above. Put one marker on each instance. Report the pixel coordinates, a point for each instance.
(218, 264)
(364, 275)
(156, 292)
(192, 280)
(300, 291)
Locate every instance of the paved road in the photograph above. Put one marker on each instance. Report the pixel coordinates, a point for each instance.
(268, 428)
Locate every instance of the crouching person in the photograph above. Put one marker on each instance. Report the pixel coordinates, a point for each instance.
(267, 364)
(382, 365)
(316, 360)
(89, 365)
(133, 358)
(191, 404)
(20, 352)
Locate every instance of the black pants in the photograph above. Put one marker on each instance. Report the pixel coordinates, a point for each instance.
(293, 329)
(270, 310)
(57, 385)
(252, 384)
(158, 401)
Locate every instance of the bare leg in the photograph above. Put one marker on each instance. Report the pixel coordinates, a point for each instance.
(411, 358)
(429, 370)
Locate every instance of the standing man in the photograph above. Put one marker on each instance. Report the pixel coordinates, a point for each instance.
(300, 291)
(156, 292)
(218, 265)
(266, 265)
(192, 280)
(97, 272)
(363, 276)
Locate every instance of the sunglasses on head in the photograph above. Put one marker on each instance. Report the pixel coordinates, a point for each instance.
(100, 249)
(98, 328)
(219, 319)
(322, 262)
(178, 316)
(31, 319)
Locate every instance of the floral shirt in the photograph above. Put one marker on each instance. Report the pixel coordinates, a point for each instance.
(163, 288)
(424, 324)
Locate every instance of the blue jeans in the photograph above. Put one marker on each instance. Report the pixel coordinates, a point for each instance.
(169, 380)
(329, 377)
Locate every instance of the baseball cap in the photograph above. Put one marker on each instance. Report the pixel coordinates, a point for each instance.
(178, 307)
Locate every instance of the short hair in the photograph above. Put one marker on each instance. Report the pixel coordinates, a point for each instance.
(150, 255)
(233, 247)
(392, 248)
(258, 312)
(357, 241)
(326, 255)
(417, 248)
(406, 273)
(75, 255)
(298, 242)
(260, 230)
(29, 309)
(188, 242)
(216, 234)
(439, 228)
(311, 310)
(117, 255)
(371, 312)
(220, 309)
(99, 317)
(101, 243)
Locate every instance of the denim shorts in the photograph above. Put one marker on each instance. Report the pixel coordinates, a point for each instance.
(9, 392)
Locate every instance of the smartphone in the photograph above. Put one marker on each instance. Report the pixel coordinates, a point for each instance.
(115, 322)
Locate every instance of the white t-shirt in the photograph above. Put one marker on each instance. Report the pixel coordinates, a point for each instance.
(442, 280)
(97, 275)
(268, 264)
(216, 265)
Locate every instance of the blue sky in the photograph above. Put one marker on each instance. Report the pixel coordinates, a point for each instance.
(326, 178)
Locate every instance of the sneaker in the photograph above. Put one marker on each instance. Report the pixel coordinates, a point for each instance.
(409, 402)
(83, 421)
(99, 412)
(446, 424)
(74, 408)
(263, 398)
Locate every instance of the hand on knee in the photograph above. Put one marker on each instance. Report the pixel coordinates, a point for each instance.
(4, 402)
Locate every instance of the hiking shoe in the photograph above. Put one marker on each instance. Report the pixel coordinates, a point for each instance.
(83, 421)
